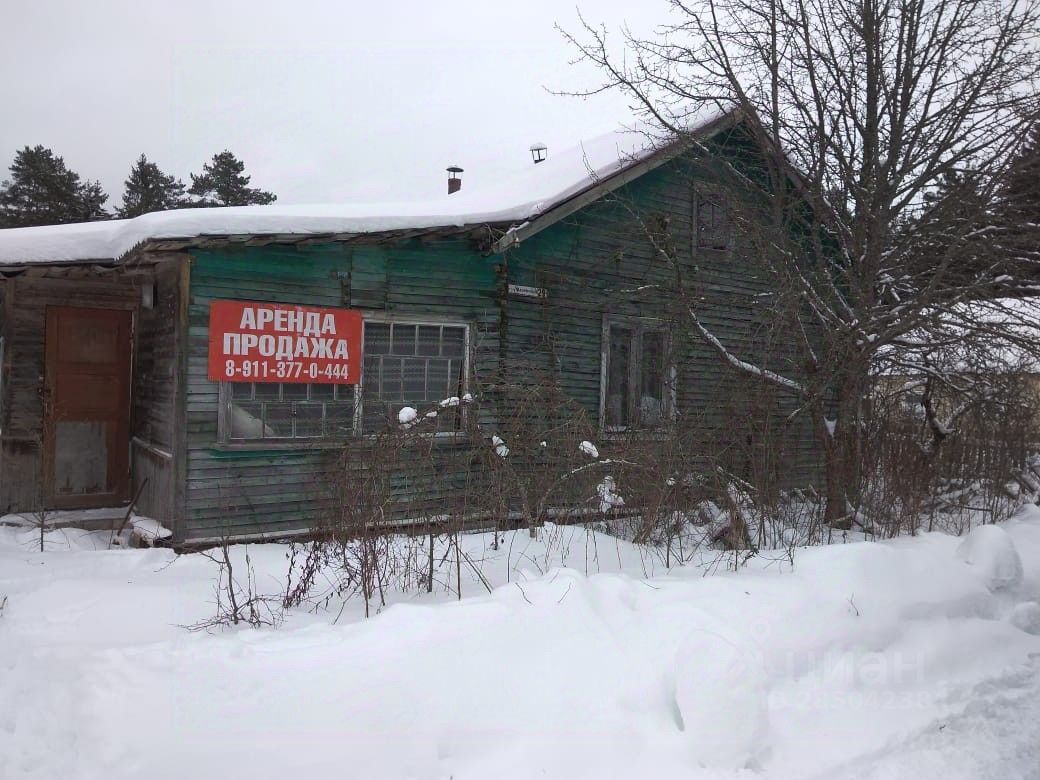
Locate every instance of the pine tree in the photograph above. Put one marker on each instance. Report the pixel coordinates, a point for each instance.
(223, 183)
(149, 189)
(92, 201)
(1019, 205)
(950, 235)
(42, 191)
(1022, 191)
(958, 202)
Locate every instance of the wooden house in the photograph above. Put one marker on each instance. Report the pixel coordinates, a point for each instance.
(211, 363)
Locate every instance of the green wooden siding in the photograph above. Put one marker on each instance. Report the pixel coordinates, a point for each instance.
(598, 261)
(601, 261)
(274, 490)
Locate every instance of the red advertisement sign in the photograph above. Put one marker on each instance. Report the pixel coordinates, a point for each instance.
(251, 341)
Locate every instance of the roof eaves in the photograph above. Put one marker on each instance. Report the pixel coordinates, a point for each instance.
(14, 269)
(209, 241)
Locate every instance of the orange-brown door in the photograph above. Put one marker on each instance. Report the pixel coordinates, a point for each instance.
(87, 407)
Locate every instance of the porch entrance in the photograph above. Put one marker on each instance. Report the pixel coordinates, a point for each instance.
(86, 430)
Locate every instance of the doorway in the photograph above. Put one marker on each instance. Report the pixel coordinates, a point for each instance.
(86, 431)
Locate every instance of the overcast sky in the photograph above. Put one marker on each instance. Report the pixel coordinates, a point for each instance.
(325, 101)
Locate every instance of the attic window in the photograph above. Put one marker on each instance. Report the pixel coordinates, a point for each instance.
(712, 223)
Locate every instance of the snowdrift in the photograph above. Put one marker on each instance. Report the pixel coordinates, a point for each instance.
(912, 658)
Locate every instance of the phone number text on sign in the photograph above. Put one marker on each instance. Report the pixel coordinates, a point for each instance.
(270, 342)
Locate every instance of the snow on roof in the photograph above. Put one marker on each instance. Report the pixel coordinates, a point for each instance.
(515, 200)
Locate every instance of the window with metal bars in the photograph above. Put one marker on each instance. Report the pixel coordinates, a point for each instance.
(412, 364)
(280, 411)
(405, 364)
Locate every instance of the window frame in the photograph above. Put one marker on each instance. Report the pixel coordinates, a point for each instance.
(224, 440)
(639, 326)
(385, 318)
(718, 200)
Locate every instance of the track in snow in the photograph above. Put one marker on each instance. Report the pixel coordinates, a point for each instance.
(993, 731)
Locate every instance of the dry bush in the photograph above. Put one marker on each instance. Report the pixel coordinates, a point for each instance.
(411, 480)
(238, 602)
(972, 469)
(526, 456)
(542, 459)
(400, 496)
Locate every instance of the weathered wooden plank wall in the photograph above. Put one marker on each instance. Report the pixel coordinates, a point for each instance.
(596, 262)
(155, 395)
(26, 298)
(243, 490)
(601, 261)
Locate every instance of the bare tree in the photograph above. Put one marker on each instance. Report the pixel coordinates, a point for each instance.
(861, 109)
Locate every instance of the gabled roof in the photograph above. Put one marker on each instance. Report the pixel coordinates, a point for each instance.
(519, 206)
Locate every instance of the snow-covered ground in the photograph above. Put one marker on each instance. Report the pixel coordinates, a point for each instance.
(916, 658)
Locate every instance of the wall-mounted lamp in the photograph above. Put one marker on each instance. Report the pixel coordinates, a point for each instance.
(454, 182)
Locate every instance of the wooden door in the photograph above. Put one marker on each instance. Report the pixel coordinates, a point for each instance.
(87, 407)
